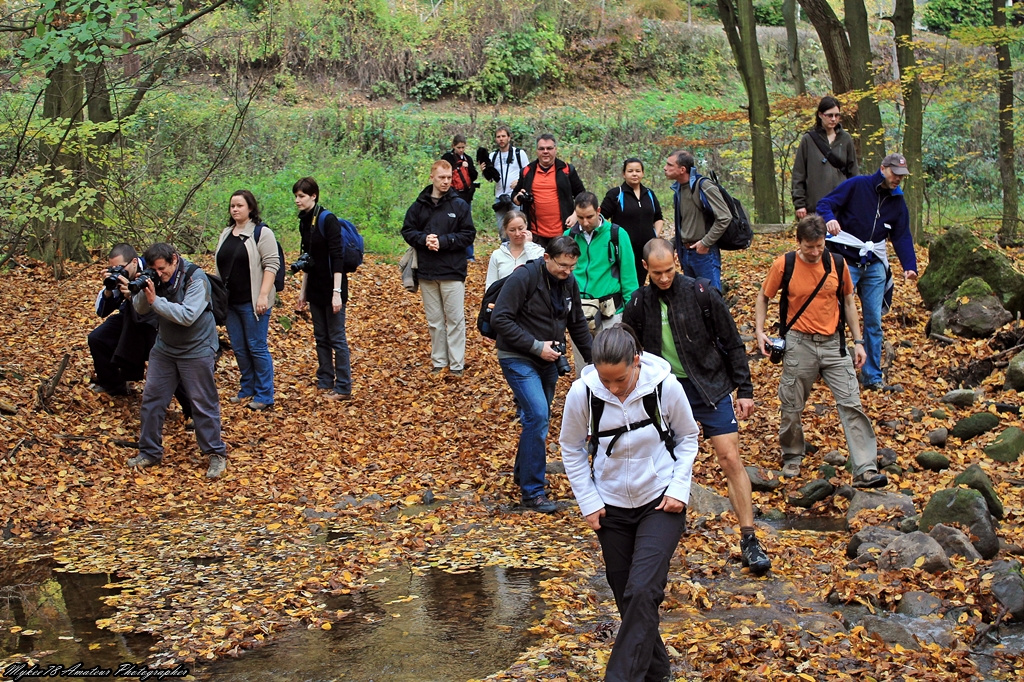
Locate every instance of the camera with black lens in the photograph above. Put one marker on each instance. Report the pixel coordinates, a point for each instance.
(525, 198)
(303, 264)
(113, 279)
(139, 283)
(562, 363)
(503, 203)
(777, 348)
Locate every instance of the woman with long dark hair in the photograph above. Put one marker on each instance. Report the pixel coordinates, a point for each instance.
(635, 208)
(632, 484)
(825, 158)
(247, 261)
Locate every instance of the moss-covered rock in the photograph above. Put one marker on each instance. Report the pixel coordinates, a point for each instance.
(967, 508)
(975, 478)
(932, 461)
(1008, 446)
(958, 255)
(975, 425)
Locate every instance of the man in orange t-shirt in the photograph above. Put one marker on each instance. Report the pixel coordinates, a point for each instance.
(814, 346)
(547, 190)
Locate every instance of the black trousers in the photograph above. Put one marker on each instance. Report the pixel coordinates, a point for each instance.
(110, 375)
(637, 545)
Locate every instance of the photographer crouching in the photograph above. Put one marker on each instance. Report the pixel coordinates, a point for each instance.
(120, 345)
(185, 352)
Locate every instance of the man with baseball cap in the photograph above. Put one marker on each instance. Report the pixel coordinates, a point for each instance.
(861, 215)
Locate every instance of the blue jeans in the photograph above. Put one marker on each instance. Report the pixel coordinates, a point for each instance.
(533, 383)
(334, 370)
(248, 334)
(708, 265)
(869, 281)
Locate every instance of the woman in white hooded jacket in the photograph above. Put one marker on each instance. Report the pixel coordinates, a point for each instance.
(634, 493)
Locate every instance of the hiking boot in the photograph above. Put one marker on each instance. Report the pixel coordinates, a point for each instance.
(455, 372)
(791, 468)
(870, 479)
(142, 461)
(753, 556)
(239, 399)
(436, 370)
(258, 406)
(339, 396)
(190, 425)
(218, 463)
(541, 504)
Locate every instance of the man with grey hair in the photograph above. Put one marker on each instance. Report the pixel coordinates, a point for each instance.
(546, 191)
(701, 218)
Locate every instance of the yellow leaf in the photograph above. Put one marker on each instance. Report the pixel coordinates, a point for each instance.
(274, 526)
(920, 562)
(325, 626)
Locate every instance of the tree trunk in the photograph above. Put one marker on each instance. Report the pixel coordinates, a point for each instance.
(903, 25)
(834, 42)
(1007, 172)
(793, 46)
(869, 118)
(741, 29)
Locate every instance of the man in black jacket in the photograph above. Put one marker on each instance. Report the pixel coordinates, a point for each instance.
(668, 309)
(439, 225)
(547, 189)
(537, 303)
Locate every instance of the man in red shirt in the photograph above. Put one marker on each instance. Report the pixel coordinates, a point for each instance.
(547, 190)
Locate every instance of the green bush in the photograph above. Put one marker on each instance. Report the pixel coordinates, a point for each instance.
(768, 12)
(942, 16)
(517, 63)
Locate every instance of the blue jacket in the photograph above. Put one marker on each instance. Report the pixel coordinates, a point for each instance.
(869, 211)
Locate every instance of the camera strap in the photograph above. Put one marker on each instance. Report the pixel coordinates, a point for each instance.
(787, 275)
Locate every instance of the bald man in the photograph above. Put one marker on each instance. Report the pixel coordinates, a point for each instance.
(667, 316)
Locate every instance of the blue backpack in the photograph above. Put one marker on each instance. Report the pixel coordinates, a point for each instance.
(279, 277)
(351, 242)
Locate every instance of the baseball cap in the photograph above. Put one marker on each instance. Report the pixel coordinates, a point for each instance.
(898, 164)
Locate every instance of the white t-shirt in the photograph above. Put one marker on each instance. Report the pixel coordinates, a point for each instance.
(508, 167)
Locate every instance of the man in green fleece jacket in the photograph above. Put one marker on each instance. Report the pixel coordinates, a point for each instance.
(606, 270)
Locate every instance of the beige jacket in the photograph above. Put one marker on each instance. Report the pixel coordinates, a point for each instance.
(262, 258)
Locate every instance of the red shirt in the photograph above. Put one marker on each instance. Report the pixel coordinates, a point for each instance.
(547, 217)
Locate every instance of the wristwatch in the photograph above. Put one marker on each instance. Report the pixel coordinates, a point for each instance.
(860, 341)
(337, 291)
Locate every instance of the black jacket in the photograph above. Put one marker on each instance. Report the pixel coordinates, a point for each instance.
(466, 175)
(714, 376)
(452, 221)
(328, 252)
(524, 317)
(566, 180)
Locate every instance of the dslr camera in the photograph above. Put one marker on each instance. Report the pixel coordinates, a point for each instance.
(777, 348)
(139, 283)
(525, 198)
(503, 203)
(562, 363)
(112, 280)
(303, 264)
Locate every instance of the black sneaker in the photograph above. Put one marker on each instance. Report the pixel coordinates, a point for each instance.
(753, 556)
(871, 479)
(541, 504)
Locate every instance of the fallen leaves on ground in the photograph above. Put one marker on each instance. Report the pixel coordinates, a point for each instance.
(319, 494)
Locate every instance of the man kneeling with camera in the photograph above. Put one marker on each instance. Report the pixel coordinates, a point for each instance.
(812, 344)
(537, 303)
(185, 352)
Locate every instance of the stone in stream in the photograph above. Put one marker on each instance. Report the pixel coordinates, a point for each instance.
(869, 499)
(968, 509)
(813, 492)
(974, 477)
(954, 542)
(914, 550)
(1007, 446)
(932, 461)
(917, 604)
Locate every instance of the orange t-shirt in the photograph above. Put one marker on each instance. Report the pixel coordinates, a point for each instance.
(822, 315)
(547, 217)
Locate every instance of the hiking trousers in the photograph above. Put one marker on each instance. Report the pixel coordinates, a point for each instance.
(637, 545)
(809, 356)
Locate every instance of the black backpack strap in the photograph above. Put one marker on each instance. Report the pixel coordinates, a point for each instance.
(614, 253)
(823, 146)
(840, 264)
(596, 410)
(787, 275)
(652, 406)
(784, 324)
(702, 291)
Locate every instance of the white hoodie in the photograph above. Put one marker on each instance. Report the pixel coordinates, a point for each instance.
(640, 467)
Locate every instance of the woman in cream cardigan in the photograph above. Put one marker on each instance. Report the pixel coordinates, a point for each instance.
(248, 267)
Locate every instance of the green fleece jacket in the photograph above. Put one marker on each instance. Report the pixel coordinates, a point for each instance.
(594, 269)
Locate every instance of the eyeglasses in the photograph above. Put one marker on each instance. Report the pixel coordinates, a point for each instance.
(564, 266)
(831, 115)
(545, 149)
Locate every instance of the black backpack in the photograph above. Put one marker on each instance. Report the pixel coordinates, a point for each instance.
(739, 234)
(218, 294)
(652, 406)
(483, 318)
(279, 277)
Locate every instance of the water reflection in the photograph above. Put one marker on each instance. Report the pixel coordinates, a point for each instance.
(434, 627)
